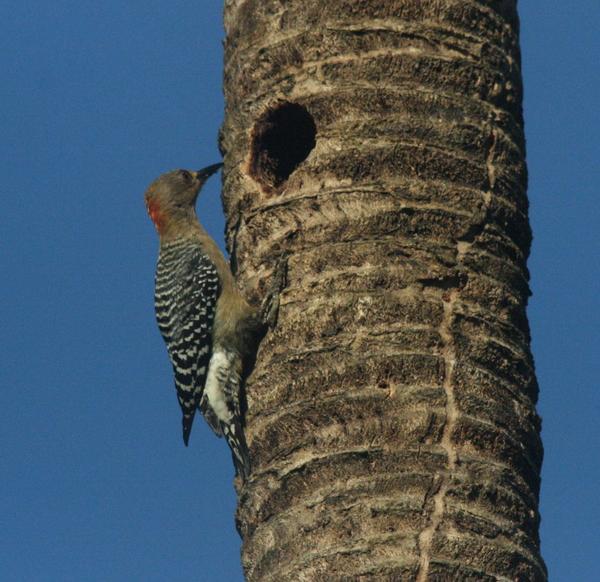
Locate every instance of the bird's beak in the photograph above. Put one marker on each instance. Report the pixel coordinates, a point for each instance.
(205, 173)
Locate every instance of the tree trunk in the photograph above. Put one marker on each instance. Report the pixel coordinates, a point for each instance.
(375, 190)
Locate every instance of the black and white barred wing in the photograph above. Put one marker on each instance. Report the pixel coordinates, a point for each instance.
(187, 288)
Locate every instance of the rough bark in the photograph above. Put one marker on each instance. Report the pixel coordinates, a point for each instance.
(375, 189)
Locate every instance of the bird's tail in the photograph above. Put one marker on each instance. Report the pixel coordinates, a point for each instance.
(234, 435)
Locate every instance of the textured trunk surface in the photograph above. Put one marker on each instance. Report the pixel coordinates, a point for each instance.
(376, 196)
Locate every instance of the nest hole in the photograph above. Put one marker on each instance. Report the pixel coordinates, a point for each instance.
(283, 137)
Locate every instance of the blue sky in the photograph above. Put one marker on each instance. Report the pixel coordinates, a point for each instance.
(99, 98)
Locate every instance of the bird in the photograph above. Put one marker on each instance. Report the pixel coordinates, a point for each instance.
(210, 330)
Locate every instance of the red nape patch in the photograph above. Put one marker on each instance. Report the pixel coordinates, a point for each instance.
(155, 214)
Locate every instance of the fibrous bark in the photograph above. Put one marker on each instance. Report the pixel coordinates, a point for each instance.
(375, 190)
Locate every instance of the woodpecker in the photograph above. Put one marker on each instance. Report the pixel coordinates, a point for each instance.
(209, 328)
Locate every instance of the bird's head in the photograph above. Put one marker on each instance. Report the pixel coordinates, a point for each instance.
(172, 196)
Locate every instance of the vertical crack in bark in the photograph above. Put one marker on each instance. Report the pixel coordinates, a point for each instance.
(489, 164)
(450, 300)
(449, 355)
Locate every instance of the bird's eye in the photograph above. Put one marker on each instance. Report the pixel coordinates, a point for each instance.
(185, 175)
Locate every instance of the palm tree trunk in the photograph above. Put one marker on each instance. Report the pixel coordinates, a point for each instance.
(376, 200)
